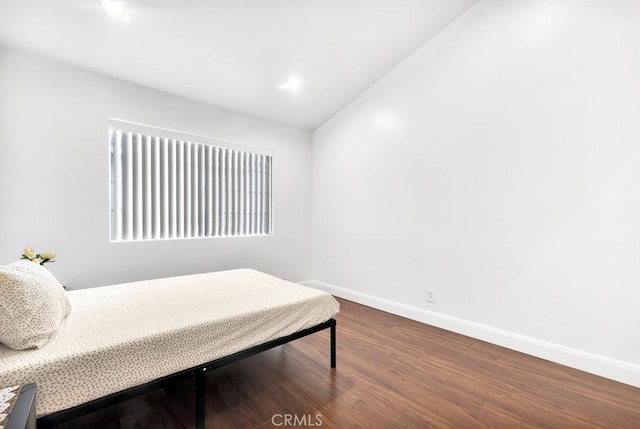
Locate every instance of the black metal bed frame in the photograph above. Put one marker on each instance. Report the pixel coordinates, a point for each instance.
(199, 372)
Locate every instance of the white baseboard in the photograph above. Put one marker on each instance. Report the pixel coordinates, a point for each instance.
(595, 364)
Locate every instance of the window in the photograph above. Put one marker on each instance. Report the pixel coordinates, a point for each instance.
(171, 185)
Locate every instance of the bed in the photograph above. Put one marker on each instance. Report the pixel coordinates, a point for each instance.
(123, 340)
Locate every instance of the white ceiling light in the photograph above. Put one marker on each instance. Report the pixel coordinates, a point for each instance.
(386, 120)
(115, 10)
(293, 84)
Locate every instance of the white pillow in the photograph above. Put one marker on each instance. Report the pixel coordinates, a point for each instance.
(32, 305)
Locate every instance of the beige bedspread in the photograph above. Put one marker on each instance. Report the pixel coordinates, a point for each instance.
(124, 335)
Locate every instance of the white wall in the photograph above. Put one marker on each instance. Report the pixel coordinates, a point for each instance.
(499, 165)
(54, 177)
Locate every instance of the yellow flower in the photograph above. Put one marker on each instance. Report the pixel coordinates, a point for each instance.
(29, 252)
(36, 260)
(48, 255)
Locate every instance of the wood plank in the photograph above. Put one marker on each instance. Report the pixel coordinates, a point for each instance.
(392, 373)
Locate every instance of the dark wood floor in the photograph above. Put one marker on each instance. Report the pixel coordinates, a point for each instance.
(392, 373)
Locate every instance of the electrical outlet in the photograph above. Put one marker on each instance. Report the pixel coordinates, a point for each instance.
(431, 295)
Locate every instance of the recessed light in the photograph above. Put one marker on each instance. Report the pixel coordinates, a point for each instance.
(115, 10)
(293, 84)
(386, 119)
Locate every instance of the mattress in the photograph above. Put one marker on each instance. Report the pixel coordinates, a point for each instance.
(124, 335)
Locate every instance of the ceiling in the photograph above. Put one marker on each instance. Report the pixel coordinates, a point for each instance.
(235, 54)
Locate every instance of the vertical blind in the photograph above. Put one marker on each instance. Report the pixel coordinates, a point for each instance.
(168, 188)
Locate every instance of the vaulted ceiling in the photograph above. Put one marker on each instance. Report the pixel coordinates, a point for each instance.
(236, 54)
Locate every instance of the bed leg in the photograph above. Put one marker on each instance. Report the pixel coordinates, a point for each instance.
(333, 345)
(201, 393)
